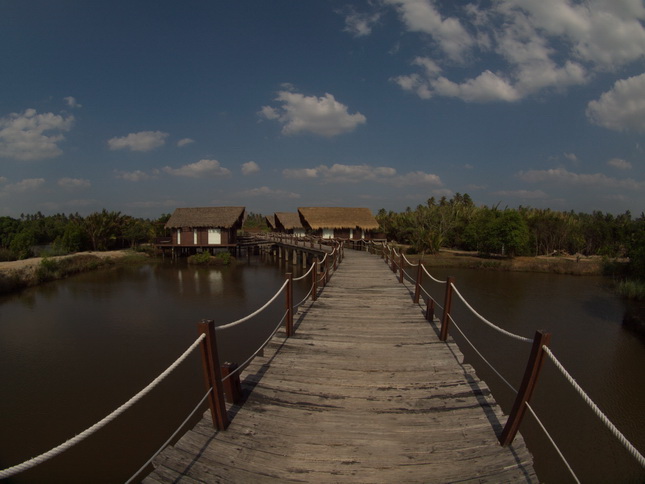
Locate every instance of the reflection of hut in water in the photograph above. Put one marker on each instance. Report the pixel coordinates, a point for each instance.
(203, 228)
(339, 222)
(289, 223)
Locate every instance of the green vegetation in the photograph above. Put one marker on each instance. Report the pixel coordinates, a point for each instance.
(60, 234)
(458, 223)
(255, 222)
(204, 258)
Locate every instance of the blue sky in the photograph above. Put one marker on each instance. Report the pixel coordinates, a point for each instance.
(145, 106)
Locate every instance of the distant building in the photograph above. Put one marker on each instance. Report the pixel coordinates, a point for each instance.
(289, 223)
(270, 219)
(339, 222)
(205, 227)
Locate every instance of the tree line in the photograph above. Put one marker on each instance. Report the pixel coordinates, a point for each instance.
(458, 223)
(33, 234)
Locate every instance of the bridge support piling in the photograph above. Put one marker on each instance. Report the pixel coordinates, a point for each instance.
(232, 385)
(531, 374)
(213, 374)
(289, 306)
(417, 284)
(447, 302)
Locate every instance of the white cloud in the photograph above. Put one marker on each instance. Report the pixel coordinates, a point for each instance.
(3, 179)
(268, 192)
(338, 173)
(620, 164)
(622, 108)
(184, 142)
(423, 16)
(360, 24)
(534, 45)
(73, 183)
(71, 102)
(323, 116)
(202, 168)
(26, 185)
(132, 176)
(22, 135)
(561, 175)
(250, 167)
(141, 141)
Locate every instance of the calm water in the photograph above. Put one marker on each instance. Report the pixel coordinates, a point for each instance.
(608, 362)
(74, 350)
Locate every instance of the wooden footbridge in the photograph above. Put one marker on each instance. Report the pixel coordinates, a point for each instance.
(360, 384)
(364, 391)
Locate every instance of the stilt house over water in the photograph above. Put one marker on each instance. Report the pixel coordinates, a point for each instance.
(289, 223)
(205, 227)
(340, 222)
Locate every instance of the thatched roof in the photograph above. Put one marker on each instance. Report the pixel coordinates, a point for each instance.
(288, 220)
(338, 218)
(270, 221)
(223, 217)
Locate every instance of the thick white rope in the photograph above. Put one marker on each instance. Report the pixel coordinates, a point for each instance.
(306, 274)
(430, 276)
(255, 313)
(603, 418)
(557, 449)
(409, 262)
(10, 471)
(482, 356)
(503, 331)
(186, 420)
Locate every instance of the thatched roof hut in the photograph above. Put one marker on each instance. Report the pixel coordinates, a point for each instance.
(288, 221)
(337, 218)
(203, 217)
(270, 219)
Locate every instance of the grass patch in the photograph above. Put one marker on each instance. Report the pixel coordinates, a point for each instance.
(205, 259)
(54, 269)
(631, 289)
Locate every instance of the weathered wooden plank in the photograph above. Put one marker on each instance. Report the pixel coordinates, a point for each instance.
(364, 392)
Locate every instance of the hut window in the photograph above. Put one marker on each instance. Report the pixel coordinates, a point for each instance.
(195, 236)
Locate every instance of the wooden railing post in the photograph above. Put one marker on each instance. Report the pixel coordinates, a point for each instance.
(417, 284)
(213, 374)
(314, 281)
(447, 302)
(232, 385)
(289, 306)
(401, 263)
(327, 270)
(531, 374)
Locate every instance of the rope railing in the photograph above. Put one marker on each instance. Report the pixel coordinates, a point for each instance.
(11, 471)
(539, 351)
(254, 313)
(596, 410)
(484, 320)
(208, 343)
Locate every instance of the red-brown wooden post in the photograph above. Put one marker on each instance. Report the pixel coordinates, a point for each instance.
(531, 374)
(289, 306)
(447, 302)
(401, 264)
(314, 280)
(232, 385)
(430, 309)
(417, 284)
(327, 270)
(213, 374)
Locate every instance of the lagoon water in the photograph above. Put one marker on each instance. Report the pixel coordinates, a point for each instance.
(74, 350)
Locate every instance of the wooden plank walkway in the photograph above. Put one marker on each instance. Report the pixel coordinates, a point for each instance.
(364, 392)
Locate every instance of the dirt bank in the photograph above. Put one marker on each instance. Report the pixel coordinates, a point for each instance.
(574, 265)
(16, 275)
